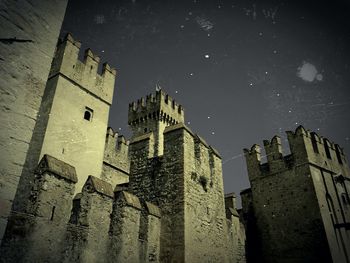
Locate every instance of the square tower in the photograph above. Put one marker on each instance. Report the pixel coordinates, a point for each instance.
(299, 204)
(74, 110)
(178, 171)
(154, 114)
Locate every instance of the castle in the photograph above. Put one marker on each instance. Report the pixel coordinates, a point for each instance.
(73, 190)
(95, 197)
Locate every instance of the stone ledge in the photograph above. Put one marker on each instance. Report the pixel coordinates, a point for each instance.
(130, 199)
(153, 209)
(59, 168)
(177, 127)
(99, 186)
(146, 136)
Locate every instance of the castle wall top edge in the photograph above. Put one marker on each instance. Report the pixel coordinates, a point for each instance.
(62, 169)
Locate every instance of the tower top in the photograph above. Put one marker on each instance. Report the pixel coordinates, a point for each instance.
(306, 147)
(159, 106)
(84, 73)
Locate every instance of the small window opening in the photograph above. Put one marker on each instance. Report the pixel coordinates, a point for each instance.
(314, 142)
(338, 155)
(52, 212)
(145, 130)
(88, 114)
(326, 148)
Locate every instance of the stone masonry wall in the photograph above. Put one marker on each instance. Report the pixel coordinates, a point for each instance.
(295, 199)
(125, 227)
(93, 219)
(39, 236)
(186, 182)
(25, 67)
(206, 238)
(116, 162)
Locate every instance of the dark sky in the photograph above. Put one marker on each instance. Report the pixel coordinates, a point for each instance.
(243, 70)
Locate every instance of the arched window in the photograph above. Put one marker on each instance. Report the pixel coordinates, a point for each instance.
(326, 148)
(88, 114)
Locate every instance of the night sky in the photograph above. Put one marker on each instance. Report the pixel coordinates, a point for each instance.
(243, 70)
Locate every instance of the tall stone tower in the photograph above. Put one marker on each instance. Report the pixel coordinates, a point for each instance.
(153, 115)
(177, 170)
(29, 32)
(298, 206)
(74, 111)
(78, 102)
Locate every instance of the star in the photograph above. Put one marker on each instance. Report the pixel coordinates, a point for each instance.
(206, 56)
(191, 74)
(212, 133)
(208, 117)
(182, 26)
(188, 122)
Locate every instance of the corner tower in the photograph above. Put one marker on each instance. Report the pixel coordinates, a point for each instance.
(75, 109)
(154, 114)
(303, 197)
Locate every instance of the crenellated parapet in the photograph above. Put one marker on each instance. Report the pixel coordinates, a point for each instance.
(117, 150)
(253, 160)
(157, 107)
(106, 224)
(116, 162)
(83, 73)
(305, 147)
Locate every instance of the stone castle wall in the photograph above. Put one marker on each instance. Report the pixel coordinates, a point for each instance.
(29, 32)
(288, 205)
(97, 225)
(116, 162)
(75, 130)
(186, 183)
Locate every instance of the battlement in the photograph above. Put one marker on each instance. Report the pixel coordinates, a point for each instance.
(305, 147)
(115, 143)
(83, 73)
(147, 140)
(159, 106)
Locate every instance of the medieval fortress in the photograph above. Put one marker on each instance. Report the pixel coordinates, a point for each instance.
(73, 190)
